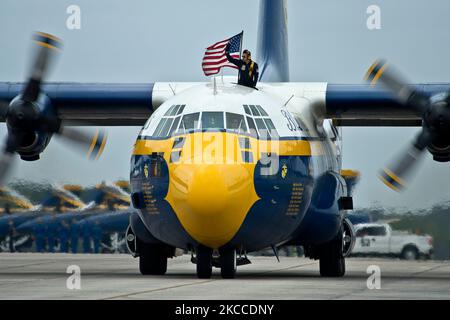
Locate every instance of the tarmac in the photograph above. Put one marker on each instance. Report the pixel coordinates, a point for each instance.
(106, 276)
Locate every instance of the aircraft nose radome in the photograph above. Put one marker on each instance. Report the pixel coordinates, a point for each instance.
(212, 200)
(208, 191)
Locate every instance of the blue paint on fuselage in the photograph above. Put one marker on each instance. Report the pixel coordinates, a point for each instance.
(283, 202)
(323, 219)
(148, 194)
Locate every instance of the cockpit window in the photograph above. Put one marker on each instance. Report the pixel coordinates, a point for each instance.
(252, 126)
(159, 127)
(174, 126)
(259, 122)
(262, 111)
(175, 110)
(212, 120)
(269, 124)
(255, 111)
(169, 122)
(189, 122)
(236, 122)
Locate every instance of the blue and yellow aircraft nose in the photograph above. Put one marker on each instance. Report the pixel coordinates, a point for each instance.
(212, 200)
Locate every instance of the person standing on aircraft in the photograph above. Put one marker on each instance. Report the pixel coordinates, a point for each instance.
(248, 69)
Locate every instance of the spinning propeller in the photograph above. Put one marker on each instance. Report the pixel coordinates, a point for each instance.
(435, 114)
(32, 119)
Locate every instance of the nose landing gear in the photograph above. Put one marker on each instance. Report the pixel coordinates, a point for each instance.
(226, 261)
(204, 262)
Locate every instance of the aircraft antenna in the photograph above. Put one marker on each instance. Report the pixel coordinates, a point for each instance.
(215, 86)
(284, 105)
(173, 91)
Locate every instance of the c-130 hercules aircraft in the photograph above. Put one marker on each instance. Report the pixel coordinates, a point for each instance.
(221, 169)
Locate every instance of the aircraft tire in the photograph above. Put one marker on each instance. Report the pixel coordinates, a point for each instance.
(204, 262)
(152, 259)
(331, 260)
(228, 263)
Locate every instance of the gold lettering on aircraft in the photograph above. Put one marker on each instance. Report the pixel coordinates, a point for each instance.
(296, 199)
(149, 200)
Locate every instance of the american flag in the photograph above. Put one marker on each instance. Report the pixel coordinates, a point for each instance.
(215, 58)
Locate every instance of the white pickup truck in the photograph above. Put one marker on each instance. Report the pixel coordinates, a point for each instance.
(380, 239)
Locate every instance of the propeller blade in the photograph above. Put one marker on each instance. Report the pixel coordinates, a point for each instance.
(6, 164)
(48, 45)
(381, 72)
(7, 158)
(396, 176)
(3, 110)
(92, 144)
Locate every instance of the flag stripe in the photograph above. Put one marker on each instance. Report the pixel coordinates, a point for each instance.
(219, 58)
(213, 63)
(212, 51)
(215, 57)
(221, 44)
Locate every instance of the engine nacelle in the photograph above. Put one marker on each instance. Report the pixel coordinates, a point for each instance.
(31, 125)
(440, 151)
(32, 144)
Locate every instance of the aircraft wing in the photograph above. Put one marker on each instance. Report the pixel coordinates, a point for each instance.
(100, 104)
(365, 105)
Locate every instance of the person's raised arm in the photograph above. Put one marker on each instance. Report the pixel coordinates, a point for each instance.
(234, 61)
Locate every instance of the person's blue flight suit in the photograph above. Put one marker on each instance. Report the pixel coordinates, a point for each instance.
(63, 235)
(97, 234)
(39, 236)
(74, 234)
(248, 71)
(86, 232)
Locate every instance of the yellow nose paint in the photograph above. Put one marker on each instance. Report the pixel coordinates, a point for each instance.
(211, 201)
(211, 190)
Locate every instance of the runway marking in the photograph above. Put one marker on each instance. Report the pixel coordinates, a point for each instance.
(27, 265)
(155, 290)
(199, 282)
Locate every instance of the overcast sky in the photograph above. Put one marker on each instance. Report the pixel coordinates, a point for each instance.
(148, 41)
